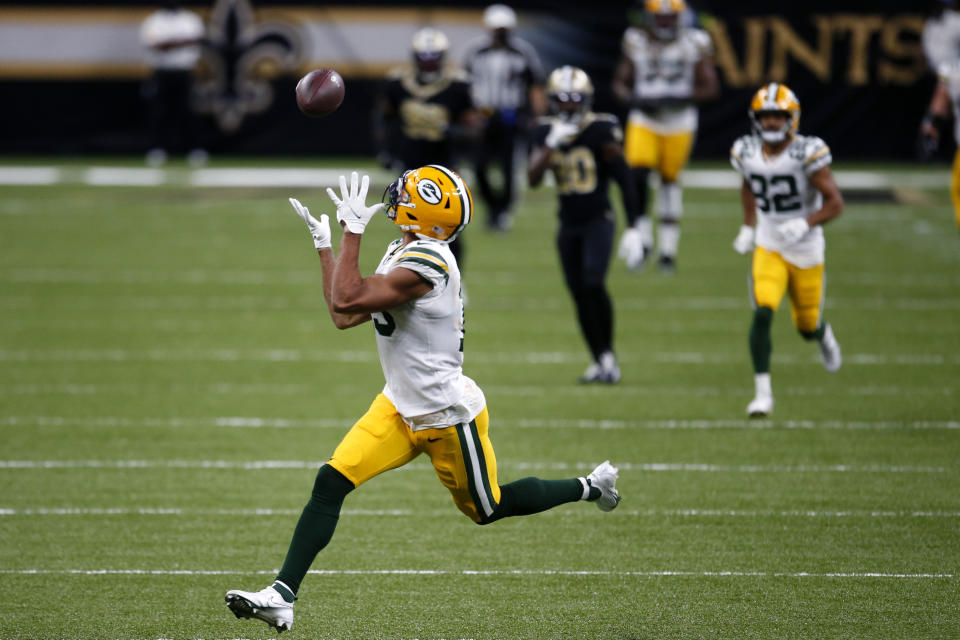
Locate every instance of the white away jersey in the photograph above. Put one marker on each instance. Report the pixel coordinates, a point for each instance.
(665, 70)
(949, 74)
(421, 341)
(781, 186)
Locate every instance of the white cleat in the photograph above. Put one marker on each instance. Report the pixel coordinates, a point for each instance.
(760, 407)
(604, 477)
(604, 371)
(830, 350)
(267, 605)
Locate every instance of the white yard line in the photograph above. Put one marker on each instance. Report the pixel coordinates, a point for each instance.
(255, 422)
(12, 465)
(664, 513)
(487, 572)
(487, 357)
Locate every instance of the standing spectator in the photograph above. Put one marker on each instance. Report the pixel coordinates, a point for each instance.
(507, 87)
(422, 109)
(171, 36)
(666, 68)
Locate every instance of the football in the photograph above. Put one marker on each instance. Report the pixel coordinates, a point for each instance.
(320, 92)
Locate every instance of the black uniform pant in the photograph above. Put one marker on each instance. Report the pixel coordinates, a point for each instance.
(497, 148)
(585, 251)
(168, 95)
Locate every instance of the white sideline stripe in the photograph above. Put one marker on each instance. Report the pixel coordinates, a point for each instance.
(276, 177)
(124, 177)
(689, 513)
(528, 357)
(300, 177)
(29, 175)
(553, 466)
(481, 572)
(253, 422)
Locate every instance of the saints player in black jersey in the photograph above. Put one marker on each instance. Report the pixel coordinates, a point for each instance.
(423, 110)
(584, 150)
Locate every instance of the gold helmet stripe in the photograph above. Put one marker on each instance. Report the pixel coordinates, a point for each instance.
(461, 193)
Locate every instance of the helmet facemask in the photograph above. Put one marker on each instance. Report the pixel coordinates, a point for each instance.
(772, 136)
(559, 106)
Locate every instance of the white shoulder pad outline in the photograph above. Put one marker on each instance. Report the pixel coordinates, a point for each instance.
(701, 41)
(816, 154)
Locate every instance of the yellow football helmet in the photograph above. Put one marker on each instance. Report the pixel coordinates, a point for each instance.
(569, 92)
(663, 17)
(432, 202)
(775, 98)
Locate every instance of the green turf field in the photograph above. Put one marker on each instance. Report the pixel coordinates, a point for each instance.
(170, 381)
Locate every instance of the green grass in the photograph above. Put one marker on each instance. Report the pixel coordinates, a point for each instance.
(135, 321)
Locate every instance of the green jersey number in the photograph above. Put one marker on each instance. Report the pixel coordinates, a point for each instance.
(387, 326)
(778, 194)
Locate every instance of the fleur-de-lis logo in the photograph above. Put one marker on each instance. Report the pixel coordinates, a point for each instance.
(240, 58)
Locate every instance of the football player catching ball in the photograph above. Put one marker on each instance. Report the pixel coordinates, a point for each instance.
(427, 404)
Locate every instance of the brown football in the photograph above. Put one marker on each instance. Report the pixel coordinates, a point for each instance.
(320, 92)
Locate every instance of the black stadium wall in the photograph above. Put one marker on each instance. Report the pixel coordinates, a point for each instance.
(71, 74)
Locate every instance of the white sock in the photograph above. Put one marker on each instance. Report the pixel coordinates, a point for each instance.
(669, 239)
(761, 382)
(645, 225)
(670, 200)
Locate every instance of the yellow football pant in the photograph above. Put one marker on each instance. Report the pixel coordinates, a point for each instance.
(955, 186)
(772, 276)
(667, 154)
(462, 455)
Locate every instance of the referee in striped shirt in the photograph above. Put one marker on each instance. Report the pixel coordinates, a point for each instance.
(507, 87)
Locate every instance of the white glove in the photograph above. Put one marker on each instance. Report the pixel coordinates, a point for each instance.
(631, 248)
(792, 230)
(352, 210)
(560, 133)
(743, 243)
(319, 229)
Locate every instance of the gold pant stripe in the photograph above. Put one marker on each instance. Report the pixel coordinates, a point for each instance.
(380, 440)
(667, 154)
(771, 277)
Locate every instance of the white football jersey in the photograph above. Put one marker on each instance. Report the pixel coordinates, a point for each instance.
(949, 73)
(421, 341)
(665, 70)
(781, 186)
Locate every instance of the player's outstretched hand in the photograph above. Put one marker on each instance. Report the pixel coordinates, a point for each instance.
(743, 243)
(792, 230)
(319, 229)
(560, 133)
(352, 210)
(631, 248)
